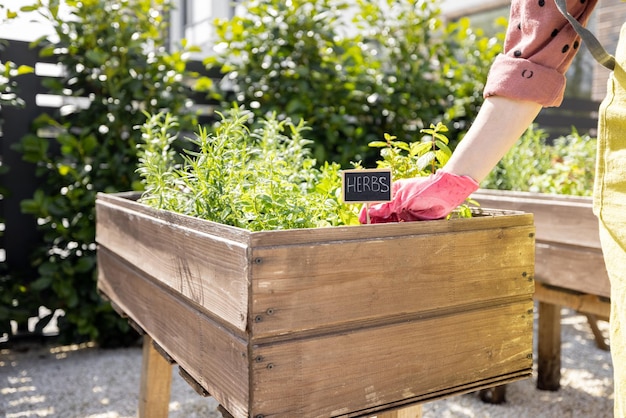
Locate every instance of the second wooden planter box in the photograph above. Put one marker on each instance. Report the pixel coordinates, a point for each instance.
(342, 321)
(568, 253)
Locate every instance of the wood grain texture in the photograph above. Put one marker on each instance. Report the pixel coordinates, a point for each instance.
(581, 302)
(156, 381)
(572, 267)
(339, 283)
(211, 271)
(490, 219)
(334, 374)
(208, 352)
(549, 347)
(346, 322)
(414, 411)
(568, 244)
(558, 218)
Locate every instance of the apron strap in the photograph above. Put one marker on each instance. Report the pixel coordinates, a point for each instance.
(593, 45)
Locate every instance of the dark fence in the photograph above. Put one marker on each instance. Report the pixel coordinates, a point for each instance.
(20, 230)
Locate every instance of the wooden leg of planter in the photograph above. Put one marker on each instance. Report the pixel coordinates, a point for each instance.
(600, 340)
(224, 412)
(413, 411)
(156, 380)
(549, 347)
(494, 395)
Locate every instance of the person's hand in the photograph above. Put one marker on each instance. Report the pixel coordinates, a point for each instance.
(422, 198)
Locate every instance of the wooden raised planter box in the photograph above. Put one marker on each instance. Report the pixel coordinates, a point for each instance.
(342, 321)
(568, 245)
(569, 268)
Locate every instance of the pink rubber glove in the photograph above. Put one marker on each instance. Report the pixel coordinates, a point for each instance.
(422, 198)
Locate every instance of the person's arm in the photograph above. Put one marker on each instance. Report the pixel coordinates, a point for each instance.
(539, 47)
(498, 125)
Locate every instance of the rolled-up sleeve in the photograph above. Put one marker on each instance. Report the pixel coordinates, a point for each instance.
(539, 47)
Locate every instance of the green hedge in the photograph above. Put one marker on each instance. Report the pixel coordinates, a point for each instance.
(565, 165)
(114, 54)
(402, 70)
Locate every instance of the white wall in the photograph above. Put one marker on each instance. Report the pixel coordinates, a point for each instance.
(27, 27)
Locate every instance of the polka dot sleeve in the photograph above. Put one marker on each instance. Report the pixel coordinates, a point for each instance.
(539, 47)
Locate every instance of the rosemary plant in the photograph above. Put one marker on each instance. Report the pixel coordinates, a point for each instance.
(263, 179)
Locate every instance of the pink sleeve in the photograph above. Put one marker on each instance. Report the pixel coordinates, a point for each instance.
(539, 47)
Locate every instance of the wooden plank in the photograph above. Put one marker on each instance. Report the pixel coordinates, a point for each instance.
(334, 374)
(308, 272)
(300, 288)
(128, 201)
(444, 393)
(487, 219)
(558, 218)
(601, 341)
(549, 347)
(156, 381)
(484, 219)
(572, 267)
(581, 302)
(568, 245)
(209, 270)
(210, 353)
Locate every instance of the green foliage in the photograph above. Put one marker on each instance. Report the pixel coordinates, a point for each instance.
(9, 94)
(260, 179)
(468, 56)
(113, 54)
(7, 13)
(264, 179)
(353, 70)
(564, 167)
(288, 62)
(418, 158)
(414, 159)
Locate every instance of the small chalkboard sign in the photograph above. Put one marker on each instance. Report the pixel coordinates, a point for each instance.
(366, 185)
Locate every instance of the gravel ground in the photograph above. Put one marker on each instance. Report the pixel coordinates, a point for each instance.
(88, 382)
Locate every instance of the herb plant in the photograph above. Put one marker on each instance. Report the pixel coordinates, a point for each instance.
(418, 158)
(260, 179)
(563, 166)
(264, 178)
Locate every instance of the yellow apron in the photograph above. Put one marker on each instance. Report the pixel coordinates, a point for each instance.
(610, 208)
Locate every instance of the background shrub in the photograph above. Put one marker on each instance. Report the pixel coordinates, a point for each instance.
(563, 166)
(9, 96)
(354, 70)
(113, 54)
